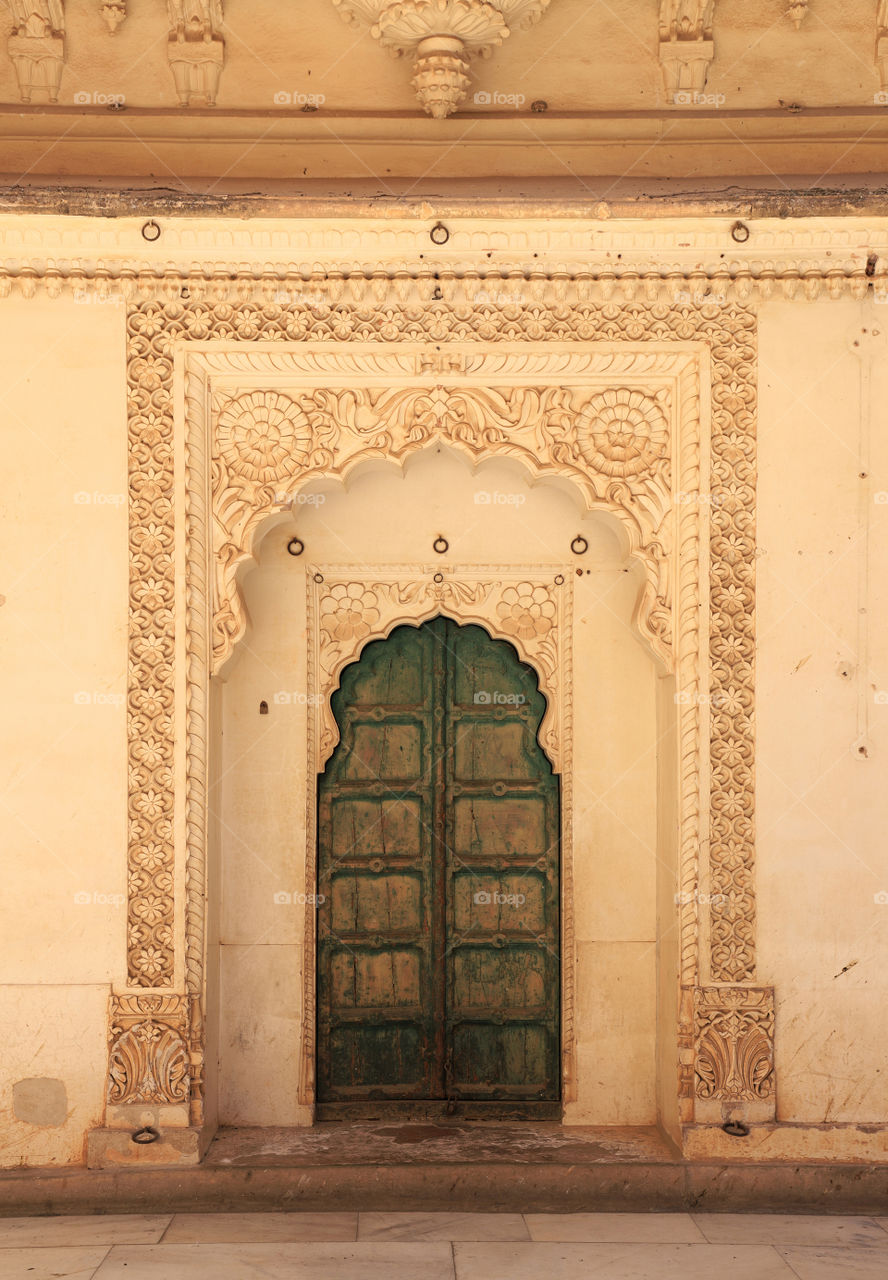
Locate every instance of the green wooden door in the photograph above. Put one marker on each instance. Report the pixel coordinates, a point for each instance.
(438, 826)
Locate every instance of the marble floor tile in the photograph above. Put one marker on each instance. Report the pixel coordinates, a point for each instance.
(788, 1228)
(51, 1264)
(441, 1226)
(832, 1263)
(279, 1262)
(618, 1262)
(260, 1228)
(615, 1228)
(86, 1229)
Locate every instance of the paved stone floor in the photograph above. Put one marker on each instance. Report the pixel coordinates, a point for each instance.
(445, 1246)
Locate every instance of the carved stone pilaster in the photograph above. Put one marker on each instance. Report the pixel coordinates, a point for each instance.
(442, 36)
(37, 46)
(734, 1054)
(196, 50)
(686, 47)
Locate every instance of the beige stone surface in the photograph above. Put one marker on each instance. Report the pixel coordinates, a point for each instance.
(305, 1261)
(122, 1228)
(614, 1228)
(51, 1263)
(442, 1226)
(617, 1262)
(260, 1228)
(822, 616)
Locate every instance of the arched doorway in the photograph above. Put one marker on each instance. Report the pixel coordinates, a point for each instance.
(438, 866)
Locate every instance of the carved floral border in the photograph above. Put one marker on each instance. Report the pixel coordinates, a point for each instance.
(155, 328)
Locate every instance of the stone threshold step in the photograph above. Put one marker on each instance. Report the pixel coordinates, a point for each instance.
(458, 1187)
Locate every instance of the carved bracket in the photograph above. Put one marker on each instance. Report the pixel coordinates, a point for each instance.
(196, 50)
(734, 1053)
(686, 47)
(797, 11)
(442, 36)
(37, 46)
(114, 12)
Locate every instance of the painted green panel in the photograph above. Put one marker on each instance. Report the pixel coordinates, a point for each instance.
(376, 903)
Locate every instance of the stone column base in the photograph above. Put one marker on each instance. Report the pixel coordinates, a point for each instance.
(115, 1149)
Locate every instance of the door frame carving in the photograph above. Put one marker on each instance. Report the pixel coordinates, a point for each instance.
(689, 523)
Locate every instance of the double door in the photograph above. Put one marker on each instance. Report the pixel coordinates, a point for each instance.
(438, 933)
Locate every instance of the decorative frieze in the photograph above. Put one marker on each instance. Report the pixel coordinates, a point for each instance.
(37, 47)
(442, 36)
(196, 50)
(614, 443)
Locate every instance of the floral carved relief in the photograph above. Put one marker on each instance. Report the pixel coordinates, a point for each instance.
(734, 1043)
(614, 444)
(545, 425)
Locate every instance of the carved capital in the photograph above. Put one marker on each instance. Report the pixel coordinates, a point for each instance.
(734, 1053)
(442, 36)
(797, 11)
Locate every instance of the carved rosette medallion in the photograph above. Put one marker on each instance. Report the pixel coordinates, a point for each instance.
(623, 433)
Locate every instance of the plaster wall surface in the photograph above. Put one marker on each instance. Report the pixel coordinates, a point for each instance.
(822, 708)
(62, 684)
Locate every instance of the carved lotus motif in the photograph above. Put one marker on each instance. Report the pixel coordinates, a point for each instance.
(349, 612)
(526, 611)
(623, 433)
(263, 436)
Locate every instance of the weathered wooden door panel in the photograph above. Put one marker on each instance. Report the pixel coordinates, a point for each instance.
(438, 969)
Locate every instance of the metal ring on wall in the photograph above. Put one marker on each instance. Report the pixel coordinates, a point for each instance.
(579, 546)
(151, 230)
(146, 1135)
(439, 234)
(740, 232)
(295, 546)
(440, 545)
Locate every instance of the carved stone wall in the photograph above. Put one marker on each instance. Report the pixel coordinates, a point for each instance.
(594, 393)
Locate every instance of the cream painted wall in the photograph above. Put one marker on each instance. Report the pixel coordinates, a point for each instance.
(822, 808)
(63, 551)
(822, 805)
(392, 517)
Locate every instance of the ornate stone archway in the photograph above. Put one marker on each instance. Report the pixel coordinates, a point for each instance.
(650, 410)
